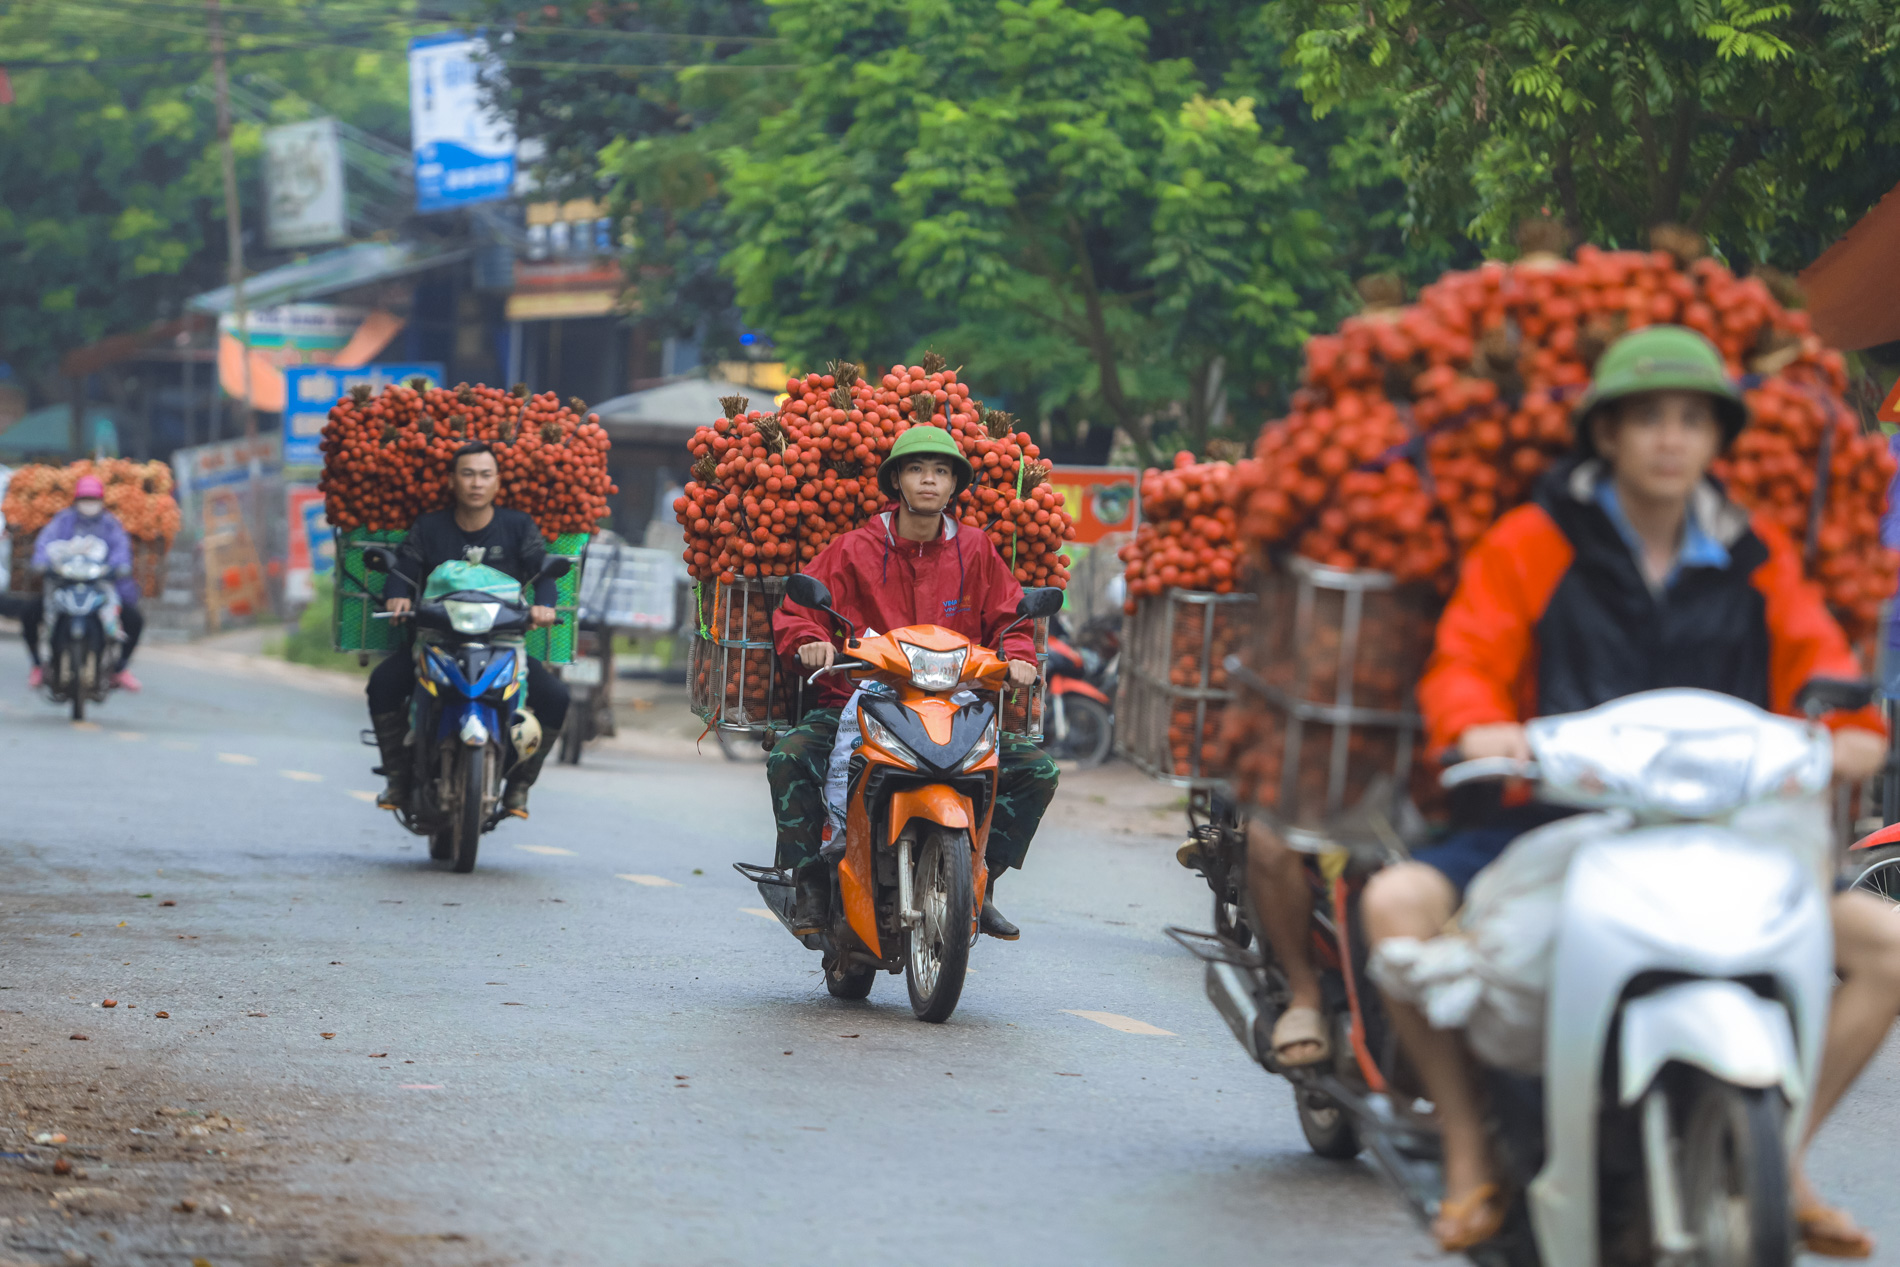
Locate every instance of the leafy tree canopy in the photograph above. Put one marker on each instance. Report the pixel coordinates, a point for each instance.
(635, 101)
(111, 197)
(1768, 126)
(1026, 187)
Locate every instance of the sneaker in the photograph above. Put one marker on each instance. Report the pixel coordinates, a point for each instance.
(35, 678)
(124, 680)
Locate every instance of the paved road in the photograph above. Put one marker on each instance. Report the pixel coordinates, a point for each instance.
(616, 1057)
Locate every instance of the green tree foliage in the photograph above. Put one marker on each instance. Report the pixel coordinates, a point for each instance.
(635, 101)
(111, 199)
(1768, 126)
(1026, 187)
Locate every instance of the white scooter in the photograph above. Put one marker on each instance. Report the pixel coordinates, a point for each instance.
(1673, 995)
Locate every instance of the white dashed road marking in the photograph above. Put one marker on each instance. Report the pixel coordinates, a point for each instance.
(550, 850)
(367, 797)
(759, 911)
(651, 881)
(236, 758)
(301, 776)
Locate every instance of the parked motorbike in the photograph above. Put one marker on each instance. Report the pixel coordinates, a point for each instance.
(589, 676)
(82, 623)
(1687, 997)
(907, 879)
(1080, 725)
(469, 724)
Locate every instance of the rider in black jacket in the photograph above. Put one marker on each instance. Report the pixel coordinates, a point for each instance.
(474, 530)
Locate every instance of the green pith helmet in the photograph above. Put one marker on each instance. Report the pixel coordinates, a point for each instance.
(920, 440)
(1661, 358)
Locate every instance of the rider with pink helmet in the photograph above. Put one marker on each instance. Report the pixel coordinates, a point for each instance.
(88, 517)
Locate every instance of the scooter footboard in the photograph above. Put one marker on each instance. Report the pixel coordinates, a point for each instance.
(1720, 1027)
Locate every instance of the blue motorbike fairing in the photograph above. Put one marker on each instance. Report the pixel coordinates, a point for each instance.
(449, 722)
(499, 669)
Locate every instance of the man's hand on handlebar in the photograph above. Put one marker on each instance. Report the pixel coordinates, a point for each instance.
(399, 608)
(541, 617)
(1495, 739)
(1022, 673)
(1858, 754)
(817, 655)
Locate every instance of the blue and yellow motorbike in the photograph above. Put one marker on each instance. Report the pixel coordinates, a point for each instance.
(469, 717)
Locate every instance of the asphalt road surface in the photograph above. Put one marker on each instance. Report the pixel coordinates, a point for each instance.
(597, 1048)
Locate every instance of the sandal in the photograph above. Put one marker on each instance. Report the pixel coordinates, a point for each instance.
(1471, 1220)
(1300, 1027)
(1831, 1233)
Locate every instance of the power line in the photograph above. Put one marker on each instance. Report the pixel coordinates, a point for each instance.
(435, 19)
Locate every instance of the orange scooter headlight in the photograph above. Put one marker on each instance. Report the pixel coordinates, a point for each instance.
(880, 734)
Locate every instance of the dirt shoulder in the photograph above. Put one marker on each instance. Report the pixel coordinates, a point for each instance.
(107, 1163)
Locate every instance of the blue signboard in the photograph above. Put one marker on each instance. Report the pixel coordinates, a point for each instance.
(463, 152)
(310, 390)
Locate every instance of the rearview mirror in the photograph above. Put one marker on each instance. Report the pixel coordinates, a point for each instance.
(807, 591)
(556, 566)
(378, 559)
(1038, 603)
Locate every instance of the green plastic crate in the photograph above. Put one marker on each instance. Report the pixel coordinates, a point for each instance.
(359, 593)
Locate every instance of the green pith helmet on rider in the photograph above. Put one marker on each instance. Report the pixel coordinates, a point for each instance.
(1660, 358)
(924, 440)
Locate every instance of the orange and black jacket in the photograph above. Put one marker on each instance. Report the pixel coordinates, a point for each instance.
(1552, 615)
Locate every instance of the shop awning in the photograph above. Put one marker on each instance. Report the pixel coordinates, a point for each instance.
(47, 432)
(670, 412)
(1853, 290)
(330, 273)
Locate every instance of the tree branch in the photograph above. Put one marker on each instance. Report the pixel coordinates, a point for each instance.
(1564, 172)
(1668, 205)
(1102, 347)
(1747, 149)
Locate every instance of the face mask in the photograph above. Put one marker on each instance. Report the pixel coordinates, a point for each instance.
(90, 507)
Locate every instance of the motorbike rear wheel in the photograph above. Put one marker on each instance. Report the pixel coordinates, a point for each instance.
(1328, 1128)
(847, 982)
(471, 806)
(938, 952)
(1733, 1175)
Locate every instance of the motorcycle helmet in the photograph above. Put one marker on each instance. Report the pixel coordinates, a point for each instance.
(921, 440)
(1658, 358)
(525, 733)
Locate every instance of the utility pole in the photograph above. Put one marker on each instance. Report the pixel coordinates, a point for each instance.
(233, 225)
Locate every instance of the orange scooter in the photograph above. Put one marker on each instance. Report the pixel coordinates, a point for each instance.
(907, 876)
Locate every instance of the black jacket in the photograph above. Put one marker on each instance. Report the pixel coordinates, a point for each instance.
(510, 543)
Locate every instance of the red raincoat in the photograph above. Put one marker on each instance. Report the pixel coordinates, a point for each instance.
(883, 582)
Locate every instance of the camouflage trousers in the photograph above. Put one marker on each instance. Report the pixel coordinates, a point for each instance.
(796, 769)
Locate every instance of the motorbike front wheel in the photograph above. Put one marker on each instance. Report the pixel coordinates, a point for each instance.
(939, 949)
(470, 802)
(1734, 1175)
(1876, 871)
(76, 684)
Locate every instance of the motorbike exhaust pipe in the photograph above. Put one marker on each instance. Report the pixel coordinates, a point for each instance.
(1230, 990)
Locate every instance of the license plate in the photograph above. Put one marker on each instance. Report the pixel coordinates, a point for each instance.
(582, 672)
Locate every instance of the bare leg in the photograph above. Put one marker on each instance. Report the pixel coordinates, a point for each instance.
(1414, 900)
(1867, 954)
(1276, 880)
